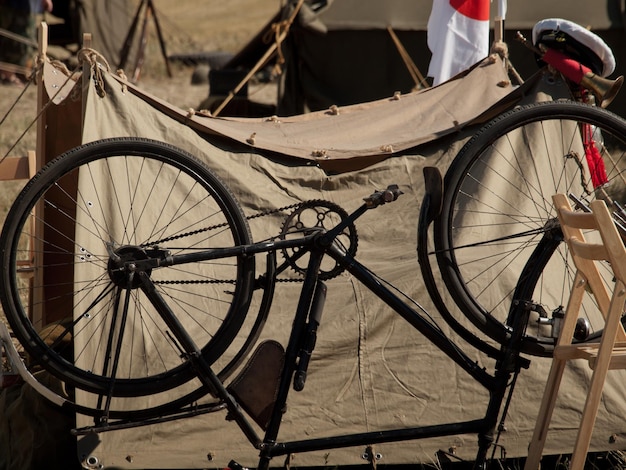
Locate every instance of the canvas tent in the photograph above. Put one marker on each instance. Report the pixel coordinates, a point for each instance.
(107, 22)
(369, 372)
(342, 52)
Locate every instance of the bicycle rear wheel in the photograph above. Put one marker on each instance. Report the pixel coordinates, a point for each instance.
(86, 320)
(497, 206)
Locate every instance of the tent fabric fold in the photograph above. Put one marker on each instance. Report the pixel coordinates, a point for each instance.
(372, 130)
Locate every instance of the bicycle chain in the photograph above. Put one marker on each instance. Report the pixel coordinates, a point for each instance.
(213, 227)
(221, 281)
(216, 226)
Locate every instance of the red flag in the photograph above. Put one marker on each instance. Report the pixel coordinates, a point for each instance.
(458, 36)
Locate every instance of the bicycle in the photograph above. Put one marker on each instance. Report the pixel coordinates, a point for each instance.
(127, 262)
(122, 256)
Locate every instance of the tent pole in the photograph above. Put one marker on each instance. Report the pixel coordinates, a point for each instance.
(143, 39)
(149, 11)
(263, 60)
(248, 76)
(498, 29)
(160, 38)
(417, 76)
(129, 37)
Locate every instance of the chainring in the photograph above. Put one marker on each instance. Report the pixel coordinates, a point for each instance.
(312, 216)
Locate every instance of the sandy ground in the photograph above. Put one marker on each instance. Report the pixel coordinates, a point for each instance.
(189, 26)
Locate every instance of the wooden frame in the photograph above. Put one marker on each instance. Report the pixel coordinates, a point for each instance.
(610, 352)
(59, 128)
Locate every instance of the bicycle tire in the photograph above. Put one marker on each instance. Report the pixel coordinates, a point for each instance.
(131, 195)
(497, 206)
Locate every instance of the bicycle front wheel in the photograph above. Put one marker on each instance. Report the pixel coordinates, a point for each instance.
(78, 226)
(497, 206)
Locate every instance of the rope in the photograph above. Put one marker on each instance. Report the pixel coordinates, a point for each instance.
(502, 49)
(95, 60)
(17, 141)
(92, 57)
(59, 65)
(36, 70)
(120, 73)
(278, 32)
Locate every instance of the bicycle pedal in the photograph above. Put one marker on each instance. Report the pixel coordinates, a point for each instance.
(255, 388)
(232, 465)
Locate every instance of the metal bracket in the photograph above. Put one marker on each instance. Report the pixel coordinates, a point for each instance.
(371, 456)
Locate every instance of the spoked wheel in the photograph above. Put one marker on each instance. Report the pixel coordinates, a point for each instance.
(95, 231)
(497, 207)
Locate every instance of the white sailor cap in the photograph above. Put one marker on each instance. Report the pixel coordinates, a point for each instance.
(586, 47)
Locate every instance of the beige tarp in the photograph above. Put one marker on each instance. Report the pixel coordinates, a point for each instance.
(369, 371)
(344, 137)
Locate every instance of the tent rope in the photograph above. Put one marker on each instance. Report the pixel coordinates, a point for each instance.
(39, 64)
(502, 49)
(278, 32)
(95, 60)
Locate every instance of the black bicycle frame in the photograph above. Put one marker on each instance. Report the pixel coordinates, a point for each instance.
(318, 245)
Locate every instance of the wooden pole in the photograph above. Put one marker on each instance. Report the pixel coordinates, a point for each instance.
(262, 61)
(37, 312)
(417, 76)
(498, 29)
(160, 38)
(128, 42)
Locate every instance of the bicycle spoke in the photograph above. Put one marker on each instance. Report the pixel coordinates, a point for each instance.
(497, 207)
(83, 226)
